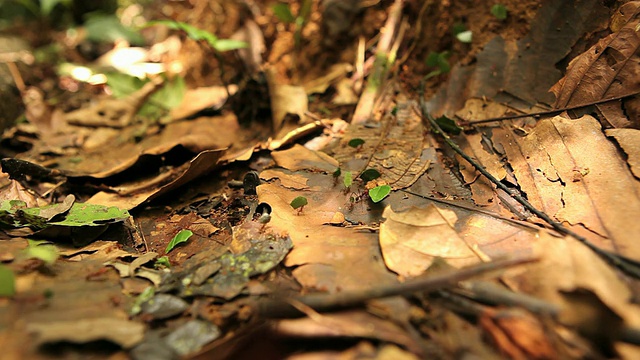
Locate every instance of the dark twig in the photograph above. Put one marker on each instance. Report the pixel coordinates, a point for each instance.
(281, 308)
(629, 266)
(465, 122)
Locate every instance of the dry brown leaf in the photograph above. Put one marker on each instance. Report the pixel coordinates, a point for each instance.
(411, 240)
(607, 70)
(122, 152)
(301, 158)
(336, 73)
(286, 99)
(289, 180)
(201, 98)
(250, 33)
(110, 112)
(395, 147)
(324, 253)
(518, 334)
(482, 189)
(629, 141)
(123, 332)
(202, 164)
(356, 323)
(521, 72)
(585, 287)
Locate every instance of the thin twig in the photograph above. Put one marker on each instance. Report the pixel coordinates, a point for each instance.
(629, 266)
(548, 112)
(280, 308)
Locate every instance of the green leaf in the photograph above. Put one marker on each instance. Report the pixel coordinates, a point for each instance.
(162, 261)
(191, 31)
(41, 249)
(337, 173)
(348, 179)
(458, 28)
(123, 85)
(164, 99)
(305, 9)
(146, 295)
(439, 60)
(370, 174)
(465, 36)
(180, 237)
(223, 45)
(299, 202)
(379, 192)
(499, 11)
(82, 214)
(108, 29)
(46, 6)
(354, 143)
(448, 125)
(199, 34)
(7, 281)
(432, 74)
(283, 13)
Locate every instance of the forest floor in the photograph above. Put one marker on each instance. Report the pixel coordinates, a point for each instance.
(320, 179)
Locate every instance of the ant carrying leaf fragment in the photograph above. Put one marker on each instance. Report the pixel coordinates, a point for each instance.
(299, 203)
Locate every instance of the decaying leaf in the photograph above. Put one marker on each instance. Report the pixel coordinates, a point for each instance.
(395, 147)
(629, 141)
(609, 69)
(123, 332)
(410, 241)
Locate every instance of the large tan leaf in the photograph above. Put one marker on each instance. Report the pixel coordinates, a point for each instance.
(411, 240)
(322, 253)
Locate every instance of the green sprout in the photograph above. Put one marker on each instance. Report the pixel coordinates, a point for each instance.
(162, 262)
(499, 11)
(440, 61)
(220, 45)
(284, 14)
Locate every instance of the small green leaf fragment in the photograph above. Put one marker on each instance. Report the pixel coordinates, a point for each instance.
(337, 173)
(162, 261)
(42, 250)
(499, 11)
(458, 28)
(439, 60)
(465, 36)
(108, 28)
(299, 202)
(180, 237)
(379, 192)
(7, 281)
(448, 125)
(354, 143)
(223, 45)
(370, 174)
(146, 295)
(283, 13)
(348, 179)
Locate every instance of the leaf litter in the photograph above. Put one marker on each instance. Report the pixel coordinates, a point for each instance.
(417, 234)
